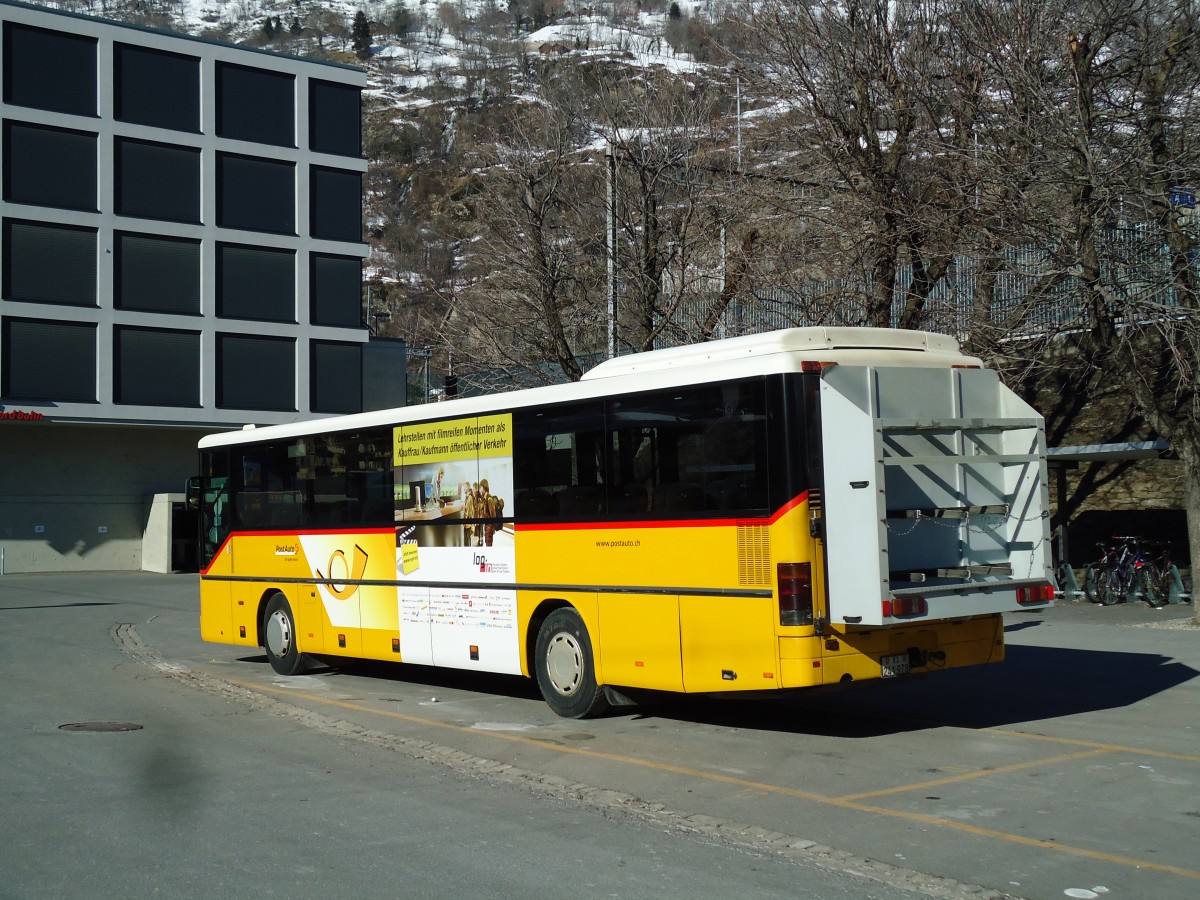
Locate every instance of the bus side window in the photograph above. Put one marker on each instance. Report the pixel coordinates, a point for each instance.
(274, 491)
(692, 449)
(351, 478)
(559, 463)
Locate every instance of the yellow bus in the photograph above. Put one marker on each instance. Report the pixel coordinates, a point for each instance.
(804, 508)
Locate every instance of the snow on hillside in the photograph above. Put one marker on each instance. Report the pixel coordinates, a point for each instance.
(443, 40)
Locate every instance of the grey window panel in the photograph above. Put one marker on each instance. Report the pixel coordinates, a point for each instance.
(256, 372)
(49, 70)
(336, 283)
(385, 373)
(156, 274)
(49, 166)
(336, 374)
(157, 88)
(708, 450)
(156, 367)
(359, 487)
(49, 263)
(158, 181)
(334, 118)
(336, 204)
(256, 283)
(256, 194)
(48, 361)
(256, 105)
(565, 475)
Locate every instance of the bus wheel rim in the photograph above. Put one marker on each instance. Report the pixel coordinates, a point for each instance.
(279, 633)
(564, 663)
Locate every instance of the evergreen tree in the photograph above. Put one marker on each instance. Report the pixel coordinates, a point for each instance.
(360, 35)
(401, 20)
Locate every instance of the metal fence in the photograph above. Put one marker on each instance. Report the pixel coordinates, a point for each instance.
(1031, 291)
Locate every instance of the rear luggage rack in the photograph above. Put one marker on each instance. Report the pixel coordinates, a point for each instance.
(950, 466)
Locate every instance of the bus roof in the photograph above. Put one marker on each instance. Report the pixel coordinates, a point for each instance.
(788, 340)
(738, 357)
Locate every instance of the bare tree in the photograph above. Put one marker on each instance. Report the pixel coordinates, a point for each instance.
(332, 24)
(1134, 73)
(883, 103)
(661, 133)
(532, 292)
(1086, 134)
(1027, 149)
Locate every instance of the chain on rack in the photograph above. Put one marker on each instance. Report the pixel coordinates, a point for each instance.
(965, 521)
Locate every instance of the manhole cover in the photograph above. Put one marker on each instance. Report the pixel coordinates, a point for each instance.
(101, 726)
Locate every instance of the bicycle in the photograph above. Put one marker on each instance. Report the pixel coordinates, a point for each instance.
(1160, 575)
(1117, 575)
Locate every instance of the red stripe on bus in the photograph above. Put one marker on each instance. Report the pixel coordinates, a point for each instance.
(663, 523)
(217, 555)
(546, 526)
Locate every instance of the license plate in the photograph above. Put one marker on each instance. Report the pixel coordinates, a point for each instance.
(894, 665)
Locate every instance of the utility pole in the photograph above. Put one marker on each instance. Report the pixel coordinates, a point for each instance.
(739, 123)
(610, 161)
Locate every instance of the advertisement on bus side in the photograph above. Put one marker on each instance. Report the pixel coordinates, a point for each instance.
(453, 490)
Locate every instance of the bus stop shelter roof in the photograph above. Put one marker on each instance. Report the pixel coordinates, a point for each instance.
(1062, 459)
(1109, 452)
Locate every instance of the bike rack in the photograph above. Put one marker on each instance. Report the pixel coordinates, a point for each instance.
(1176, 594)
(1070, 588)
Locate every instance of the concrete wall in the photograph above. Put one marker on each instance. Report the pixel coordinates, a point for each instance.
(78, 497)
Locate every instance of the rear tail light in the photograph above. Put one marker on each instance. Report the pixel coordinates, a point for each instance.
(905, 607)
(795, 594)
(815, 367)
(1038, 593)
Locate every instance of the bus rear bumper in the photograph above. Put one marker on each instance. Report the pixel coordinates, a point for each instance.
(887, 653)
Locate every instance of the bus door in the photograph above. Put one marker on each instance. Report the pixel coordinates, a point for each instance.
(214, 511)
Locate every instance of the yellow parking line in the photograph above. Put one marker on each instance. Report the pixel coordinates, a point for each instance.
(980, 773)
(1099, 745)
(1034, 736)
(840, 802)
(1027, 841)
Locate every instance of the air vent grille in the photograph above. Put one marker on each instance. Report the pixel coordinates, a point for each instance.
(754, 556)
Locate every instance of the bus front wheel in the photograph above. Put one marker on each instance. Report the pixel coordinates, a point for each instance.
(279, 637)
(566, 671)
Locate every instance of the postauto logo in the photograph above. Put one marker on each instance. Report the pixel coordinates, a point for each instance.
(343, 577)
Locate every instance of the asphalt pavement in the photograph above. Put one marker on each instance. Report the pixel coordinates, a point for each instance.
(1071, 768)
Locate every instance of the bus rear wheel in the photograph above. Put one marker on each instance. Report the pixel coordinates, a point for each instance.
(279, 637)
(566, 670)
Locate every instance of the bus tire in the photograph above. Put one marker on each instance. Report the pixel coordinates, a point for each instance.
(279, 637)
(566, 670)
